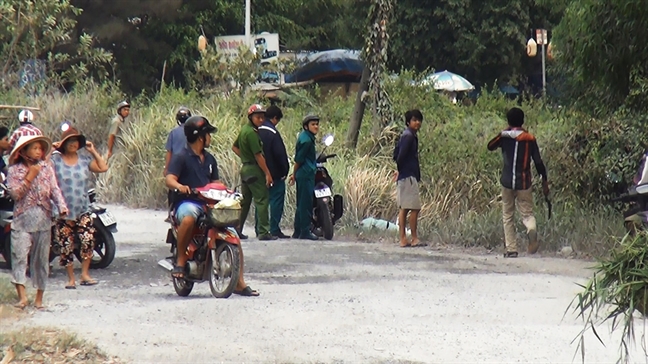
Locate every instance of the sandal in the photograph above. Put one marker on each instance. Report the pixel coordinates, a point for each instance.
(20, 305)
(70, 287)
(89, 283)
(248, 292)
(177, 272)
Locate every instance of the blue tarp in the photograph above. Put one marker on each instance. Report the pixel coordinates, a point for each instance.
(336, 63)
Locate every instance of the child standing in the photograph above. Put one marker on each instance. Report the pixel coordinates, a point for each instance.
(32, 185)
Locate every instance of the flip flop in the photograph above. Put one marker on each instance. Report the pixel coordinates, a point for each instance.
(20, 305)
(248, 292)
(177, 272)
(70, 287)
(418, 245)
(89, 283)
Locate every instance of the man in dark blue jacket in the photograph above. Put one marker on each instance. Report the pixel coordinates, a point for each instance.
(274, 151)
(406, 156)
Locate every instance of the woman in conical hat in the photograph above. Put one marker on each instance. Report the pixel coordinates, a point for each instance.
(32, 185)
(73, 169)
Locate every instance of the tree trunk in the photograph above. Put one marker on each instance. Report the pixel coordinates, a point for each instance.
(358, 111)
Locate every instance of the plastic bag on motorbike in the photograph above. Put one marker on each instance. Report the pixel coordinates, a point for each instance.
(226, 213)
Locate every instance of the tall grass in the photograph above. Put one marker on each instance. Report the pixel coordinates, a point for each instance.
(460, 187)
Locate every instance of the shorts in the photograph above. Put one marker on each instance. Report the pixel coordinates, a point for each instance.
(189, 208)
(407, 194)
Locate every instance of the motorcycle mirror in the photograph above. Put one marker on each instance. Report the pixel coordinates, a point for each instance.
(328, 139)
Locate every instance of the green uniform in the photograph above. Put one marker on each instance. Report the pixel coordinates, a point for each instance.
(249, 144)
(305, 179)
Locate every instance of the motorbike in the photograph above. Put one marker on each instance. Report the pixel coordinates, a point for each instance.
(636, 217)
(104, 223)
(327, 208)
(213, 251)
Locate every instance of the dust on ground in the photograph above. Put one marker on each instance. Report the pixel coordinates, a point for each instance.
(328, 301)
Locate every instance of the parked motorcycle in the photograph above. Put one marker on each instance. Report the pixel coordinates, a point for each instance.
(104, 223)
(213, 251)
(636, 217)
(327, 208)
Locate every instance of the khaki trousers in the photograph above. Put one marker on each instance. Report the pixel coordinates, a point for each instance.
(524, 201)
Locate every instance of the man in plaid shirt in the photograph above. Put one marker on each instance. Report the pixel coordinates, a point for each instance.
(26, 128)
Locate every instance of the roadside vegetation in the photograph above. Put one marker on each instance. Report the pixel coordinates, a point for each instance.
(589, 159)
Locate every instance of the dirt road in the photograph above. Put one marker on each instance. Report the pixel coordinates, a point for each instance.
(328, 302)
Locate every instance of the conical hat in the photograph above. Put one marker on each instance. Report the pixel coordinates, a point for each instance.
(25, 140)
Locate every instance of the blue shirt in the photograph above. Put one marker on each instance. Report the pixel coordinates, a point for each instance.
(407, 160)
(191, 171)
(305, 155)
(176, 141)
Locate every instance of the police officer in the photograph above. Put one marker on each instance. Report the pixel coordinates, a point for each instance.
(249, 148)
(274, 151)
(123, 110)
(304, 175)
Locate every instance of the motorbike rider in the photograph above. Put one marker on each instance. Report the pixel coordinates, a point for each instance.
(123, 110)
(249, 148)
(26, 128)
(195, 167)
(304, 174)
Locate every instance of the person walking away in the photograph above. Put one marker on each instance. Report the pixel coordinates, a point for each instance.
(195, 167)
(408, 177)
(176, 142)
(304, 175)
(25, 128)
(123, 110)
(32, 185)
(519, 147)
(72, 170)
(276, 157)
(249, 148)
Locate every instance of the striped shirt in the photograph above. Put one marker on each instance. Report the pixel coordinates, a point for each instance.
(25, 129)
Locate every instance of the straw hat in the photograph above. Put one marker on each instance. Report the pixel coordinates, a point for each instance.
(71, 132)
(26, 140)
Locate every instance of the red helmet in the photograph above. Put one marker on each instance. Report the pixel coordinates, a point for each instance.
(256, 108)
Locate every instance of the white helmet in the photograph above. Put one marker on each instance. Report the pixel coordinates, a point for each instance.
(25, 116)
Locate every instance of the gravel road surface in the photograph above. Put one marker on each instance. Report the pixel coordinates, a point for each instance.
(337, 301)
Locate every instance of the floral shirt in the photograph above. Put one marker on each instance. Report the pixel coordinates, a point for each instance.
(33, 200)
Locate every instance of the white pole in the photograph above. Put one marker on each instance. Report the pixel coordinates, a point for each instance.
(544, 76)
(248, 23)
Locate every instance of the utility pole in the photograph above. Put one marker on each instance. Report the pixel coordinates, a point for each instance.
(541, 36)
(248, 23)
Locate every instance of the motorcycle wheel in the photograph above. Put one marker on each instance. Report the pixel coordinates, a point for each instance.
(6, 250)
(324, 219)
(224, 268)
(182, 287)
(104, 248)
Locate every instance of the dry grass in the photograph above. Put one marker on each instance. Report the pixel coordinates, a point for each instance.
(44, 345)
